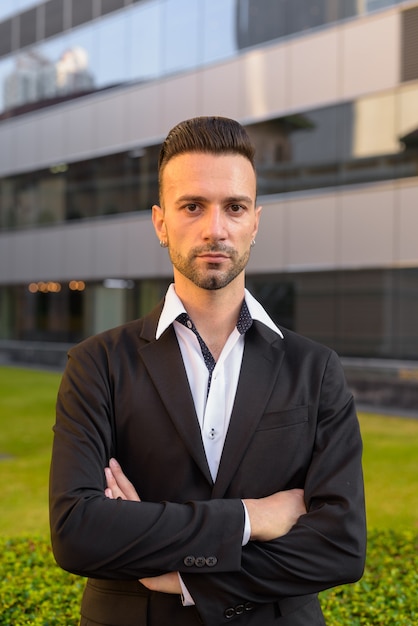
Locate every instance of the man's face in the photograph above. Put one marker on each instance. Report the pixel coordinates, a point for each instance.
(208, 217)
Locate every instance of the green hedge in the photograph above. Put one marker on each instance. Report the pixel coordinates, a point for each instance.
(33, 590)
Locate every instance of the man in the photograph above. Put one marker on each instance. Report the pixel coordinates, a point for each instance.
(234, 489)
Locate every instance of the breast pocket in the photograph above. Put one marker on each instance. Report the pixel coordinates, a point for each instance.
(284, 419)
(279, 453)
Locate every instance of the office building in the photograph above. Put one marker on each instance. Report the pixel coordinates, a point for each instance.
(328, 90)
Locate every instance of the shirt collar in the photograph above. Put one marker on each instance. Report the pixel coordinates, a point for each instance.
(173, 306)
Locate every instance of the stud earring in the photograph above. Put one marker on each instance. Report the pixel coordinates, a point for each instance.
(163, 243)
(253, 243)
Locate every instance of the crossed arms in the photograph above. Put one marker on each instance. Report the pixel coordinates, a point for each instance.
(270, 518)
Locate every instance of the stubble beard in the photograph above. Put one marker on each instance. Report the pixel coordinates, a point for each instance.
(210, 277)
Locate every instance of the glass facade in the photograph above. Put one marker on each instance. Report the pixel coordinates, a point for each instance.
(367, 313)
(362, 313)
(371, 139)
(56, 50)
(69, 312)
(62, 49)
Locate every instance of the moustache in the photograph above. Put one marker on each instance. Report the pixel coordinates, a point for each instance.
(215, 247)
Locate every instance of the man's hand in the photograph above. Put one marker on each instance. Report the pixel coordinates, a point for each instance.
(118, 486)
(274, 516)
(166, 583)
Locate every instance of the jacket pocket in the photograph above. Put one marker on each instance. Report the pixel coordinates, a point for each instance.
(281, 419)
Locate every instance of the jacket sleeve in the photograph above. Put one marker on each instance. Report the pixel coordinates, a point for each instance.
(327, 545)
(102, 538)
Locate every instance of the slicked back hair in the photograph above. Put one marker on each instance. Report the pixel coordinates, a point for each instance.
(211, 135)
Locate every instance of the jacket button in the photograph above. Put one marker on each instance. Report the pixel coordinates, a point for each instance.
(189, 561)
(239, 609)
(211, 561)
(229, 613)
(249, 606)
(200, 561)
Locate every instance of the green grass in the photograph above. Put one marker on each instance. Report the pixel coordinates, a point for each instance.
(390, 471)
(27, 413)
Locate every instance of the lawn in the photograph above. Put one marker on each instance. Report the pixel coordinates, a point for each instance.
(27, 405)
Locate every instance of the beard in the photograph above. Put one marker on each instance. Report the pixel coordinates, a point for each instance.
(209, 276)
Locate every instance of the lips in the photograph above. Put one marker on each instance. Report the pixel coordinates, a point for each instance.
(213, 258)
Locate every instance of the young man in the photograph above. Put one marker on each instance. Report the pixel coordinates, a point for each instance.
(237, 493)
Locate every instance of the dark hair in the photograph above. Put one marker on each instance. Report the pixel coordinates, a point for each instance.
(215, 135)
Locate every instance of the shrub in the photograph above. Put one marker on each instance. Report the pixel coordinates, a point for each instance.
(387, 593)
(35, 591)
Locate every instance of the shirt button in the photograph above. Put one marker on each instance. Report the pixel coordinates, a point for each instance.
(212, 433)
(189, 324)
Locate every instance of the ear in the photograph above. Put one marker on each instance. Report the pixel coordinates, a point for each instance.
(159, 222)
(257, 220)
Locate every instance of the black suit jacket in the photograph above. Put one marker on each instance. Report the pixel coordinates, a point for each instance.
(293, 424)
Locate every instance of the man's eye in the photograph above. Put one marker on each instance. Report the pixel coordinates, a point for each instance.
(236, 208)
(191, 207)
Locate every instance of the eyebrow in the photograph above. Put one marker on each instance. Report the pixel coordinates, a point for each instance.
(228, 200)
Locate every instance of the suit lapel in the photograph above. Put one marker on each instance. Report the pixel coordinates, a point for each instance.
(262, 360)
(165, 366)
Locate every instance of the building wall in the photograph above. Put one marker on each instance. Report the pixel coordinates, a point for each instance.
(366, 226)
(346, 61)
(333, 254)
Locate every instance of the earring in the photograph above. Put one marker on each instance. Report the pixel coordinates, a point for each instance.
(253, 243)
(163, 243)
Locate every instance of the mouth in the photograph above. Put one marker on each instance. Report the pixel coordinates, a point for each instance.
(213, 257)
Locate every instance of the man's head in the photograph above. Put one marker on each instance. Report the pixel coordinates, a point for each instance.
(211, 135)
(207, 216)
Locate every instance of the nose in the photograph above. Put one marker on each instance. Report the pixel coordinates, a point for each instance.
(214, 227)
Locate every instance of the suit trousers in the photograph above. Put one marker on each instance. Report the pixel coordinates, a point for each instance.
(122, 603)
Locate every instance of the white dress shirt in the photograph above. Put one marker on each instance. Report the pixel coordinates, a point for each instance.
(214, 394)
(213, 407)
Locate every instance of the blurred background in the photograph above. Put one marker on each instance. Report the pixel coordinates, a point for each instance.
(328, 91)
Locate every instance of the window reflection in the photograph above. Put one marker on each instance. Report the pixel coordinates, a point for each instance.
(182, 33)
(372, 139)
(117, 183)
(112, 58)
(6, 66)
(258, 22)
(51, 71)
(219, 39)
(145, 37)
(148, 39)
(10, 7)
(7, 8)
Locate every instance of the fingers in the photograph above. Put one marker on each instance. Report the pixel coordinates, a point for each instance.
(118, 486)
(113, 491)
(166, 583)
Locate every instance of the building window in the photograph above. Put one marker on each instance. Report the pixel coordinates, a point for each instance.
(410, 44)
